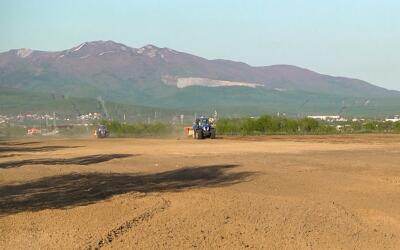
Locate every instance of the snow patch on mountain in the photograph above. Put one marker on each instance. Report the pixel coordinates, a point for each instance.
(172, 51)
(106, 52)
(148, 50)
(24, 52)
(79, 47)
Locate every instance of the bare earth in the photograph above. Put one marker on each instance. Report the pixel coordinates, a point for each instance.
(280, 192)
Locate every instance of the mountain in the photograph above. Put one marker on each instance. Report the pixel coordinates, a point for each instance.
(163, 77)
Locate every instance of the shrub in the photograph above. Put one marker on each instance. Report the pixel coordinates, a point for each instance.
(272, 125)
(118, 129)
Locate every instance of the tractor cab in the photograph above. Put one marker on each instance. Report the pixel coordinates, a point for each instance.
(202, 121)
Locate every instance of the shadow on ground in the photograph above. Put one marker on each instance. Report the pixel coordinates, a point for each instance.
(11, 143)
(65, 191)
(8, 155)
(34, 149)
(84, 160)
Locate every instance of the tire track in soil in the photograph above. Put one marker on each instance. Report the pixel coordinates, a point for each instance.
(130, 224)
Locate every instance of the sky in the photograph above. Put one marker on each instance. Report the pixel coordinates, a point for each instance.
(358, 38)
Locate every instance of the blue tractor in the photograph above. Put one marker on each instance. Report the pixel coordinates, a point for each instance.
(203, 127)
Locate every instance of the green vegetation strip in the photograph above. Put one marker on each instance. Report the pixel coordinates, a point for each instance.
(118, 129)
(282, 125)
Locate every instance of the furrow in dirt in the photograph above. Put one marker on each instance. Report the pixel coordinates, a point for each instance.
(128, 225)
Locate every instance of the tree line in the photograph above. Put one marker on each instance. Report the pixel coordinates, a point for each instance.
(272, 125)
(282, 125)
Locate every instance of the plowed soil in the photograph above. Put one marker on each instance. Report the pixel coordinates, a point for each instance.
(273, 192)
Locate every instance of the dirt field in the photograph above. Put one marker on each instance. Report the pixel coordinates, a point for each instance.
(314, 192)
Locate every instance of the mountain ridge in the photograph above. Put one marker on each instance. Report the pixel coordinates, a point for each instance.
(157, 76)
(282, 76)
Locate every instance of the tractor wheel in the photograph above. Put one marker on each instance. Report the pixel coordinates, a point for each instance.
(199, 134)
(212, 136)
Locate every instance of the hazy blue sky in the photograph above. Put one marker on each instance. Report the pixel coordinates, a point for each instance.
(358, 38)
